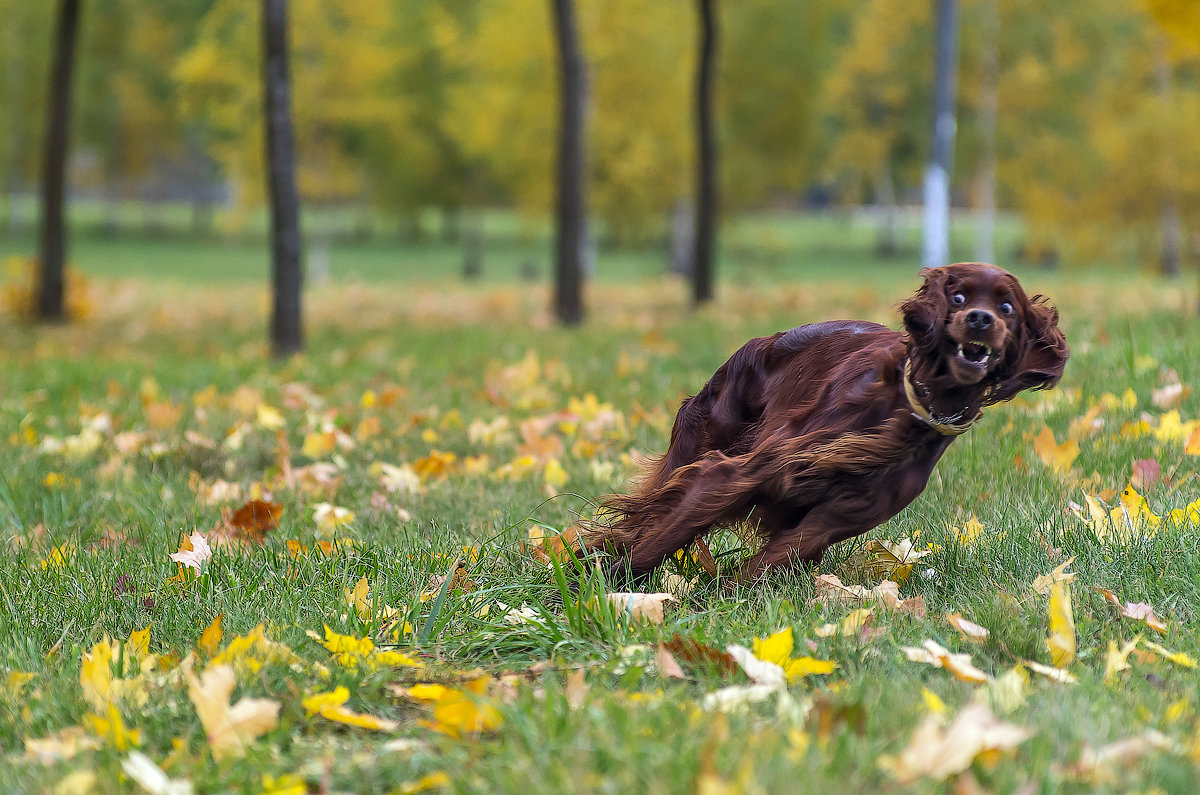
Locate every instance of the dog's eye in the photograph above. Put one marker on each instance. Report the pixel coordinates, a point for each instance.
(958, 299)
(1006, 308)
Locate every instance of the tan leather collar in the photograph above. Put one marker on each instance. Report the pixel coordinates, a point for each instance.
(944, 427)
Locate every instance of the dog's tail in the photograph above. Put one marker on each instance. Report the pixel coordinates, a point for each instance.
(624, 517)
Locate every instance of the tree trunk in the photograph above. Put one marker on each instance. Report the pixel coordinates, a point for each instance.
(887, 244)
(1169, 223)
(937, 174)
(572, 213)
(287, 329)
(51, 284)
(985, 230)
(706, 156)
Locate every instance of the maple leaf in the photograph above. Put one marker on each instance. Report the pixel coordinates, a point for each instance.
(194, 552)
(648, 606)
(359, 598)
(1058, 458)
(331, 706)
(937, 754)
(250, 652)
(893, 561)
(351, 652)
(1145, 473)
(761, 672)
(1060, 574)
(230, 728)
(777, 649)
(1116, 659)
(969, 533)
(111, 728)
(933, 653)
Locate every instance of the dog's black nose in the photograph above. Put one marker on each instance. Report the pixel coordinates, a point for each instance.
(980, 320)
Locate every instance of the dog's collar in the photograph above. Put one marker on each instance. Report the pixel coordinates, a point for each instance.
(949, 426)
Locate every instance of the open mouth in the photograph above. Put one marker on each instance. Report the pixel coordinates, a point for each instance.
(975, 354)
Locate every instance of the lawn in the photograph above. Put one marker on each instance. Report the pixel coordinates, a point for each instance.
(433, 425)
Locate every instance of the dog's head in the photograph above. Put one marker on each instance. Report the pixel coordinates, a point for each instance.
(975, 325)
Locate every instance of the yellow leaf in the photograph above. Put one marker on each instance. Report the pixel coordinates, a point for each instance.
(230, 728)
(1060, 574)
(357, 598)
(1177, 657)
(969, 532)
(1137, 508)
(269, 417)
(459, 713)
(1192, 446)
(438, 780)
(210, 638)
(933, 702)
(775, 648)
(331, 706)
(1059, 457)
(111, 728)
(1062, 625)
(1116, 659)
(800, 667)
(331, 517)
(553, 474)
(893, 560)
(81, 782)
(96, 676)
(138, 644)
(855, 620)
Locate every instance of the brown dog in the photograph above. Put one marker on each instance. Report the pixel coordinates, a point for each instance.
(825, 431)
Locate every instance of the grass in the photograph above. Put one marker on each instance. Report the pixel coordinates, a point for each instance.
(167, 359)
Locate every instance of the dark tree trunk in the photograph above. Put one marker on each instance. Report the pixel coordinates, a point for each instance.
(51, 303)
(937, 174)
(572, 212)
(287, 328)
(706, 156)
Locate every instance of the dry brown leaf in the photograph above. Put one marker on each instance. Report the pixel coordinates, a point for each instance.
(257, 517)
(696, 653)
(459, 581)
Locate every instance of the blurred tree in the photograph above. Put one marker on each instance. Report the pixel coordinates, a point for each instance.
(51, 305)
(571, 216)
(287, 328)
(706, 156)
(877, 102)
(502, 111)
(23, 56)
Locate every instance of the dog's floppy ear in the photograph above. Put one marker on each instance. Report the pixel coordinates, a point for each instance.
(925, 313)
(1040, 356)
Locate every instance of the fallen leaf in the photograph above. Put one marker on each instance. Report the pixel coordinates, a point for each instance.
(937, 754)
(777, 649)
(1096, 764)
(1061, 641)
(332, 706)
(210, 638)
(696, 653)
(256, 518)
(1177, 657)
(1170, 396)
(893, 560)
(648, 606)
(193, 552)
(459, 581)
(1116, 659)
(933, 653)
(968, 629)
(63, 744)
(1145, 473)
(151, 777)
(761, 672)
(230, 728)
(1140, 611)
(666, 664)
(1058, 457)
(1059, 675)
(735, 697)
(1060, 574)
